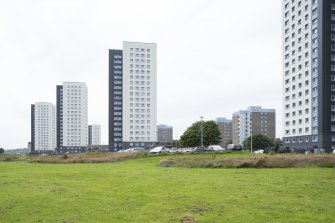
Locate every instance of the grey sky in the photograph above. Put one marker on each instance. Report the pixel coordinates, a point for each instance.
(214, 57)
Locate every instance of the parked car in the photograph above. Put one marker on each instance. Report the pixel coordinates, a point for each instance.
(233, 147)
(159, 150)
(174, 150)
(136, 149)
(188, 150)
(215, 148)
(334, 151)
(284, 150)
(259, 151)
(199, 149)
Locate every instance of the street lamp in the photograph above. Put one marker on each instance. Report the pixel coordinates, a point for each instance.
(201, 130)
(251, 137)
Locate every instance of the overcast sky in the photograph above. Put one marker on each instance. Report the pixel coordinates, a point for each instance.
(215, 57)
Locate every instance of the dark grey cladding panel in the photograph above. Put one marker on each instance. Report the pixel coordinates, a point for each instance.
(90, 135)
(127, 145)
(303, 145)
(59, 111)
(324, 73)
(71, 149)
(32, 127)
(111, 96)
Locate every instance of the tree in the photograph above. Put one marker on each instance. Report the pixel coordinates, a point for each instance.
(192, 135)
(175, 143)
(2, 150)
(277, 144)
(259, 141)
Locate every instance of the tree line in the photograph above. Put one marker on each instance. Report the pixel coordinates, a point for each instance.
(212, 136)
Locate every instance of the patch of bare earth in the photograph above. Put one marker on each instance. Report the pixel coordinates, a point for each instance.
(188, 219)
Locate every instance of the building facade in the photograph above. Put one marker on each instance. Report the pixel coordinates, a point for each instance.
(226, 129)
(254, 120)
(72, 115)
(43, 127)
(239, 127)
(164, 134)
(94, 134)
(309, 74)
(132, 96)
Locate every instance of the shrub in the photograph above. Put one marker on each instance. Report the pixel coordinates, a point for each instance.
(9, 158)
(268, 161)
(91, 157)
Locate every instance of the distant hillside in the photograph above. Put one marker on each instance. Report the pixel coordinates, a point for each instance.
(15, 151)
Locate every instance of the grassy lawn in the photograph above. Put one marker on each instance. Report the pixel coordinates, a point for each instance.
(139, 190)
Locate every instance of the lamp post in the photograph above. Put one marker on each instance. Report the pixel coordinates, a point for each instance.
(201, 130)
(251, 137)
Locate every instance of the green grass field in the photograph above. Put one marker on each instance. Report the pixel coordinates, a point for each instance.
(140, 190)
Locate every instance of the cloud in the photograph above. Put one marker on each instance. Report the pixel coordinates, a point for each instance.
(214, 57)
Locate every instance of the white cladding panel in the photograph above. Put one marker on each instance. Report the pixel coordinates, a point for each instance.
(297, 68)
(45, 126)
(96, 134)
(75, 132)
(242, 134)
(139, 92)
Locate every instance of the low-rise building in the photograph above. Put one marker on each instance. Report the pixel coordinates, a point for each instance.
(254, 120)
(225, 127)
(94, 134)
(164, 134)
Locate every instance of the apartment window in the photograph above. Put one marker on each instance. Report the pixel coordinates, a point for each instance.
(306, 120)
(306, 17)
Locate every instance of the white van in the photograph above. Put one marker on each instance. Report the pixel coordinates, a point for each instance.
(159, 150)
(215, 148)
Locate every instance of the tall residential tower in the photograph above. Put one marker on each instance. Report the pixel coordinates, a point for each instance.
(132, 96)
(72, 131)
(309, 74)
(43, 127)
